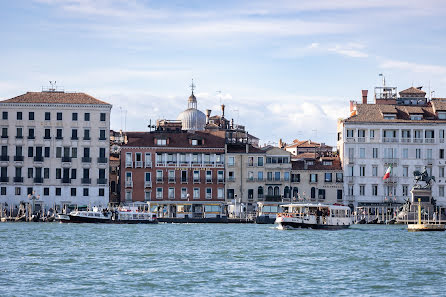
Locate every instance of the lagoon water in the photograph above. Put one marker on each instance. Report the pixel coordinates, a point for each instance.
(52, 259)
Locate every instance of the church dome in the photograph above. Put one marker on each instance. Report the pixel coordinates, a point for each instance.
(192, 119)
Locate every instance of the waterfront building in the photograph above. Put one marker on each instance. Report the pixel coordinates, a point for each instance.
(256, 174)
(404, 132)
(54, 145)
(317, 178)
(117, 139)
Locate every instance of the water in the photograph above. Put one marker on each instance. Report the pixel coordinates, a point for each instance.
(51, 259)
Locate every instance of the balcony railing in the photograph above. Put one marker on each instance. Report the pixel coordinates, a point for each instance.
(18, 179)
(429, 160)
(418, 140)
(102, 181)
(102, 160)
(231, 179)
(406, 140)
(147, 184)
(4, 179)
(86, 160)
(138, 164)
(38, 159)
(390, 139)
(4, 158)
(129, 184)
(361, 139)
(38, 180)
(86, 181)
(18, 158)
(429, 140)
(350, 179)
(128, 164)
(148, 165)
(350, 139)
(390, 160)
(66, 180)
(66, 159)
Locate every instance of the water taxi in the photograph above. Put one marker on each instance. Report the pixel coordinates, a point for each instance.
(96, 215)
(314, 216)
(133, 215)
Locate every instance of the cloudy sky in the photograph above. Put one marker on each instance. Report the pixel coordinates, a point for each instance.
(285, 69)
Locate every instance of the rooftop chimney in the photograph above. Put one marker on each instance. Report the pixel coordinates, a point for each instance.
(208, 115)
(352, 104)
(222, 110)
(364, 96)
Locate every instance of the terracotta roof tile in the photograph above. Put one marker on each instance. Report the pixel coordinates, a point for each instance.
(412, 90)
(55, 98)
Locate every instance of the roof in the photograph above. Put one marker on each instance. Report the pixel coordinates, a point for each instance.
(412, 90)
(317, 165)
(304, 143)
(374, 113)
(305, 156)
(439, 104)
(242, 149)
(55, 98)
(176, 139)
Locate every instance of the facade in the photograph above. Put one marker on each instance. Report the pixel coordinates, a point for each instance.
(174, 169)
(257, 174)
(54, 146)
(317, 180)
(405, 132)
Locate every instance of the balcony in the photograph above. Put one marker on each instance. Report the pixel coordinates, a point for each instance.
(220, 180)
(102, 160)
(429, 161)
(87, 138)
(250, 180)
(361, 139)
(231, 179)
(18, 179)
(86, 180)
(65, 180)
(273, 198)
(429, 140)
(66, 159)
(171, 180)
(74, 138)
(391, 180)
(350, 160)
(38, 159)
(31, 137)
(59, 137)
(102, 138)
(339, 180)
(349, 198)
(406, 140)
(350, 179)
(128, 164)
(418, 140)
(390, 139)
(47, 137)
(129, 183)
(4, 158)
(184, 180)
(148, 165)
(389, 161)
(295, 180)
(4, 136)
(102, 181)
(38, 180)
(18, 158)
(4, 179)
(147, 184)
(159, 180)
(19, 137)
(138, 164)
(350, 139)
(196, 181)
(86, 160)
(441, 140)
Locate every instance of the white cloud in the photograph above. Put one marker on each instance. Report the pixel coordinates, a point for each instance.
(349, 49)
(353, 50)
(413, 67)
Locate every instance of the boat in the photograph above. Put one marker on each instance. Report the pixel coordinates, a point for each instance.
(314, 216)
(133, 215)
(96, 215)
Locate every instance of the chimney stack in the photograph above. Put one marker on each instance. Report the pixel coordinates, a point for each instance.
(364, 96)
(351, 105)
(208, 115)
(222, 110)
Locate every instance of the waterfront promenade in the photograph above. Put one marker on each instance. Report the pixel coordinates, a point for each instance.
(221, 260)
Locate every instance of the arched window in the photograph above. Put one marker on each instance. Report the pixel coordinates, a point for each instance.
(286, 192)
(313, 192)
(276, 191)
(270, 191)
(295, 192)
(260, 192)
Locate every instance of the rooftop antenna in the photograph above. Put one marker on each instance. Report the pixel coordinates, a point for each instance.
(151, 126)
(384, 79)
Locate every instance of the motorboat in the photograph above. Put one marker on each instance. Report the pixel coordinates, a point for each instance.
(133, 215)
(314, 216)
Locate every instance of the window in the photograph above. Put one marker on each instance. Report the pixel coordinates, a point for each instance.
(375, 153)
(85, 192)
(147, 195)
(208, 193)
(17, 191)
(405, 154)
(220, 193)
(30, 151)
(159, 176)
(19, 133)
(361, 190)
(171, 176)
(350, 190)
(101, 192)
(102, 116)
(286, 176)
(418, 153)
(59, 116)
(4, 132)
(362, 153)
(86, 134)
(196, 193)
(361, 170)
(102, 135)
(59, 134)
(31, 115)
(260, 192)
(208, 176)
(128, 196)
(161, 142)
(405, 190)
(31, 133)
(295, 177)
(441, 154)
(405, 171)
(313, 178)
(73, 191)
(441, 171)
(159, 193)
(46, 173)
(277, 176)
(19, 116)
(74, 152)
(350, 171)
(147, 177)
(350, 133)
(259, 161)
(441, 191)
(321, 194)
(47, 134)
(58, 191)
(73, 173)
(374, 190)
(183, 193)
(231, 161)
(30, 172)
(328, 177)
(74, 116)
(87, 117)
(313, 192)
(58, 173)
(171, 193)
(220, 176)
(46, 191)
(196, 175)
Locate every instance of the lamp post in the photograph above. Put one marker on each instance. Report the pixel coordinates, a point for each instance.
(190, 205)
(33, 198)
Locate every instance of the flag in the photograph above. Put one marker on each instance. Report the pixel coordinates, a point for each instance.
(388, 171)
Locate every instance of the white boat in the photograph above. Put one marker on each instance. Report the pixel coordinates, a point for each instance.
(96, 215)
(133, 215)
(314, 216)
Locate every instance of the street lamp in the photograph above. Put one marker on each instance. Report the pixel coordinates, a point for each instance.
(33, 198)
(190, 205)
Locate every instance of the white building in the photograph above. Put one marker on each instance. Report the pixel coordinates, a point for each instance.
(405, 131)
(56, 145)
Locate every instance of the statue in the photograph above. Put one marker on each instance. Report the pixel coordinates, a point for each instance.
(423, 176)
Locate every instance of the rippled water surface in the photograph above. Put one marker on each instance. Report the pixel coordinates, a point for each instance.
(51, 259)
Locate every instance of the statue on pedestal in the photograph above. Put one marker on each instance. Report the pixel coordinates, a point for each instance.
(423, 176)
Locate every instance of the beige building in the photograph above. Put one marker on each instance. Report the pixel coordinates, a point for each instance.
(55, 146)
(317, 180)
(257, 174)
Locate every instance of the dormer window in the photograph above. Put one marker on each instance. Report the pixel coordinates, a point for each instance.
(389, 116)
(442, 115)
(161, 142)
(327, 163)
(310, 163)
(197, 142)
(416, 117)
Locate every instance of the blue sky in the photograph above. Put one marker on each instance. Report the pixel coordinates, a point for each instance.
(285, 69)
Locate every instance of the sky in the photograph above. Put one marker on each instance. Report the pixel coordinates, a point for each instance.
(284, 69)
